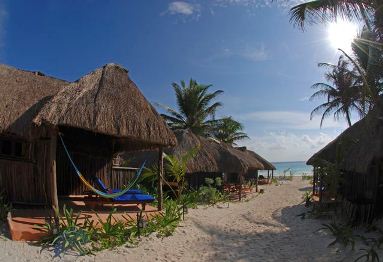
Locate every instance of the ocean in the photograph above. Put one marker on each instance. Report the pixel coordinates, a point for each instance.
(297, 168)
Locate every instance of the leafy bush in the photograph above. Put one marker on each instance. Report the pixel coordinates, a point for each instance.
(111, 233)
(166, 224)
(343, 234)
(70, 233)
(5, 207)
(307, 198)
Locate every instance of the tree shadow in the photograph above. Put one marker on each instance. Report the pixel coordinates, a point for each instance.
(287, 237)
(304, 189)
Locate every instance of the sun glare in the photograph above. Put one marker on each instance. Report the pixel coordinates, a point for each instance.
(341, 34)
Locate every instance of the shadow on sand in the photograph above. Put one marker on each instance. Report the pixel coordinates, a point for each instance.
(283, 237)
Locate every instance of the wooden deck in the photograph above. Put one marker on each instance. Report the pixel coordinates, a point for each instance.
(24, 222)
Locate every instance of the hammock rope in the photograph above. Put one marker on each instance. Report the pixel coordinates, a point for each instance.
(92, 188)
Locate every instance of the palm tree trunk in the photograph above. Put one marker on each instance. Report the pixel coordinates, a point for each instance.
(348, 118)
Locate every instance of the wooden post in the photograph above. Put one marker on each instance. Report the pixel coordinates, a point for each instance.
(320, 187)
(160, 175)
(314, 180)
(240, 187)
(272, 174)
(268, 175)
(53, 175)
(256, 183)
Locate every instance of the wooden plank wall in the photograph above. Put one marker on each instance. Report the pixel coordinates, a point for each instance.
(26, 181)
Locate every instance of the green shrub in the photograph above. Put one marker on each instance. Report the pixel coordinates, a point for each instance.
(111, 233)
(5, 208)
(69, 235)
(343, 234)
(166, 224)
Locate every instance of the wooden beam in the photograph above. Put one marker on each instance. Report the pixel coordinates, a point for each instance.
(314, 179)
(320, 186)
(160, 176)
(53, 174)
(272, 174)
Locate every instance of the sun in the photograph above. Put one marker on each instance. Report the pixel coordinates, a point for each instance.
(341, 34)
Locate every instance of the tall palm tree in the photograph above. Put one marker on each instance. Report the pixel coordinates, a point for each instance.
(196, 108)
(330, 10)
(343, 96)
(369, 42)
(229, 131)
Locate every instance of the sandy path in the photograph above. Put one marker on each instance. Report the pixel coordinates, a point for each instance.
(265, 228)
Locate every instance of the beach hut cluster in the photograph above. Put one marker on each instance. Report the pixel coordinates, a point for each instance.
(356, 157)
(98, 116)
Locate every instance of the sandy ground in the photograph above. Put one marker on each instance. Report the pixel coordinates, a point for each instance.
(263, 228)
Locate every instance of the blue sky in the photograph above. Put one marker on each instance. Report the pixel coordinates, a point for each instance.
(247, 48)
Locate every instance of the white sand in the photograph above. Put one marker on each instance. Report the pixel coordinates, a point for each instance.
(265, 228)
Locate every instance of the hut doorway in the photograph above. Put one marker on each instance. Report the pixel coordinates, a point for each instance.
(91, 152)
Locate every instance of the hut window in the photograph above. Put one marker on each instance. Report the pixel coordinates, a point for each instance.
(11, 148)
(6, 147)
(18, 149)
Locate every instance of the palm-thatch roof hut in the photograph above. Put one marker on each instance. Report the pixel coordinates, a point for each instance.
(98, 115)
(266, 164)
(23, 94)
(213, 158)
(358, 154)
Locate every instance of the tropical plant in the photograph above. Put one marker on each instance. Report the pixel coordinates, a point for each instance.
(175, 167)
(165, 224)
(229, 131)
(71, 234)
(111, 232)
(307, 198)
(5, 208)
(370, 253)
(342, 97)
(196, 108)
(343, 234)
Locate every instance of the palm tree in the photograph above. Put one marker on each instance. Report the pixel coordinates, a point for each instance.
(196, 108)
(367, 46)
(229, 131)
(330, 10)
(343, 96)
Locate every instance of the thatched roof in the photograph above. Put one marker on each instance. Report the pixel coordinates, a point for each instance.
(107, 101)
(266, 164)
(23, 93)
(356, 147)
(212, 156)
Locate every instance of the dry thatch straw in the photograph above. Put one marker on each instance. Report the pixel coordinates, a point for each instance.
(23, 94)
(106, 101)
(356, 147)
(266, 164)
(212, 156)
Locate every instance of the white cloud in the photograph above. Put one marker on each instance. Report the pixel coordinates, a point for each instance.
(288, 146)
(179, 7)
(290, 120)
(255, 54)
(184, 9)
(250, 52)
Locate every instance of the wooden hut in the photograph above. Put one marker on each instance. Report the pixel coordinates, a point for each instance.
(357, 157)
(267, 166)
(213, 159)
(98, 115)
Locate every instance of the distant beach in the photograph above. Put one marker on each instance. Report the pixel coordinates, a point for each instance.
(296, 168)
